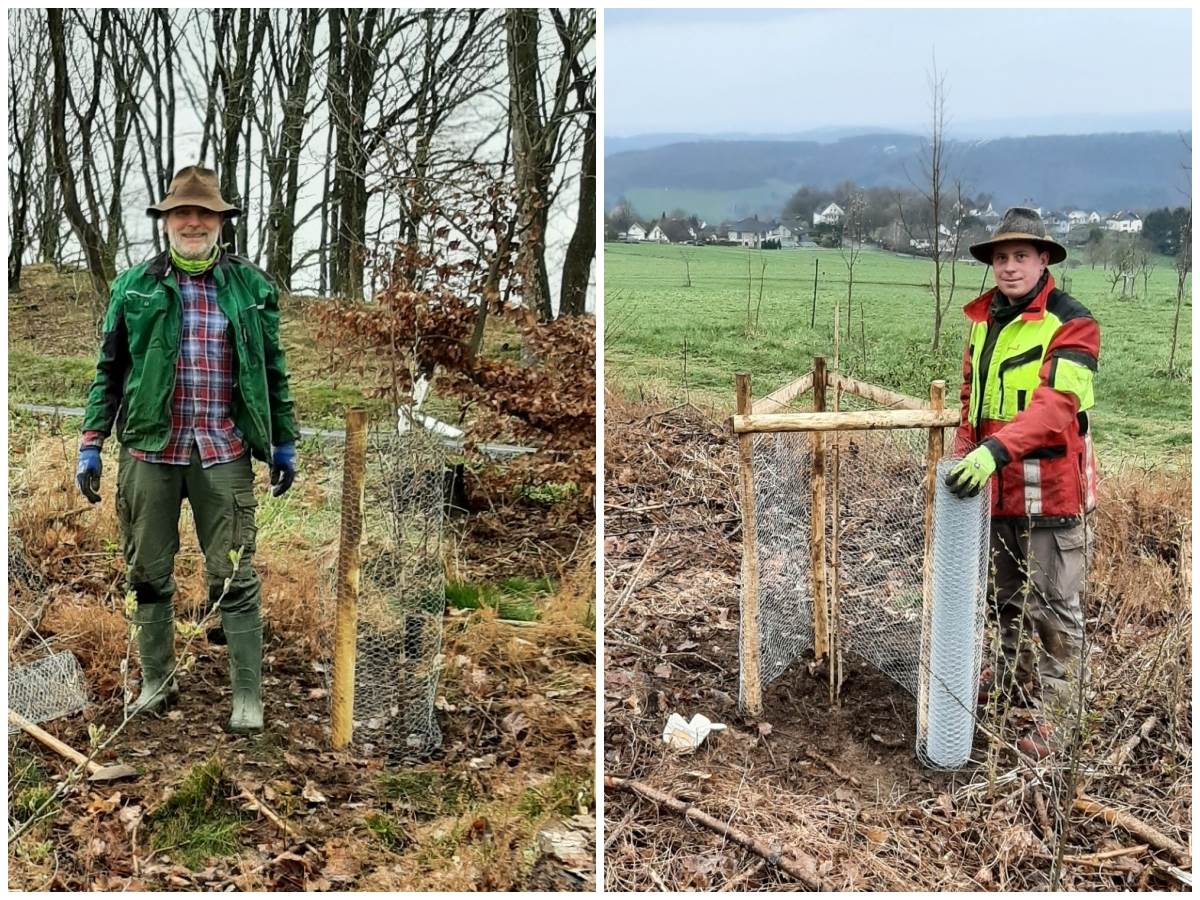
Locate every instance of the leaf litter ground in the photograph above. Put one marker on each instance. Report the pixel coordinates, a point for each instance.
(506, 804)
(840, 782)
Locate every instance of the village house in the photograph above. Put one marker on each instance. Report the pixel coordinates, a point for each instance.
(1127, 222)
(671, 231)
(635, 235)
(830, 215)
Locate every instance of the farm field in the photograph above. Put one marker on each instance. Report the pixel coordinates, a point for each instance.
(666, 341)
(507, 802)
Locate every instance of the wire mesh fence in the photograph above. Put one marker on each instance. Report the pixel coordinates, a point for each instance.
(783, 507)
(47, 689)
(401, 596)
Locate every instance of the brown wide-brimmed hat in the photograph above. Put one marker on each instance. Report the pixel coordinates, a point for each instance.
(1020, 224)
(194, 186)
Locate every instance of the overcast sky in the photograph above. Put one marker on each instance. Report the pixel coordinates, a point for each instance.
(1014, 72)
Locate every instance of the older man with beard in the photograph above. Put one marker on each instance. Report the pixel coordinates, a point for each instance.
(192, 374)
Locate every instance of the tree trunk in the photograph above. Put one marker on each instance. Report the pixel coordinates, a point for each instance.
(85, 230)
(284, 172)
(529, 152)
(577, 265)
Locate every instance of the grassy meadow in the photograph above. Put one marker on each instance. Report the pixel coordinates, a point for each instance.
(667, 341)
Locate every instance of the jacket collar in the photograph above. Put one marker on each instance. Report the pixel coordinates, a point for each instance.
(977, 309)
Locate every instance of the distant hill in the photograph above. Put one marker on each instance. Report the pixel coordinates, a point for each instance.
(719, 178)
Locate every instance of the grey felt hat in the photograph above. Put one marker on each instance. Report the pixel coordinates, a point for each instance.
(1020, 224)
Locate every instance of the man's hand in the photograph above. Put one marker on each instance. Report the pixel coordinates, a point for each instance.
(969, 476)
(283, 469)
(87, 473)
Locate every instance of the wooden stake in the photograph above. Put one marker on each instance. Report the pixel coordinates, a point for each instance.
(860, 420)
(349, 567)
(780, 398)
(874, 393)
(820, 599)
(750, 650)
(835, 521)
(933, 453)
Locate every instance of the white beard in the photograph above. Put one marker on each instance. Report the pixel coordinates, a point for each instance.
(177, 246)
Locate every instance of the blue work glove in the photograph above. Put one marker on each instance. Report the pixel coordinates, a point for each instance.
(283, 469)
(87, 473)
(969, 476)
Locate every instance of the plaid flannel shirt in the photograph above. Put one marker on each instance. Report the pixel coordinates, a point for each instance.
(203, 384)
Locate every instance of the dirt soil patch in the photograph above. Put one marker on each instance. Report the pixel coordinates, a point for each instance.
(840, 782)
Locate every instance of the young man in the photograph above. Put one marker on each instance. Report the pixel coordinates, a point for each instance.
(192, 373)
(1027, 387)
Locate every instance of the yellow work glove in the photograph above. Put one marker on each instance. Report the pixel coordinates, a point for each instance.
(969, 476)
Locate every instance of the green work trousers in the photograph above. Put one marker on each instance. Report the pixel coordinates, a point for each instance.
(149, 497)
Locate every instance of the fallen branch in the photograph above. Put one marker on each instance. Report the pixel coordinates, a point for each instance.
(261, 806)
(796, 863)
(832, 766)
(1117, 758)
(1088, 859)
(1134, 826)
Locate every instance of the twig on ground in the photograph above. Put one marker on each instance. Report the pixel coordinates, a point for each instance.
(832, 766)
(1134, 826)
(611, 614)
(1117, 758)
(796, 863)
(261, 806)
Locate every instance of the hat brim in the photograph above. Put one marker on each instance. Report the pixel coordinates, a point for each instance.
(158, 210)
(983, 250)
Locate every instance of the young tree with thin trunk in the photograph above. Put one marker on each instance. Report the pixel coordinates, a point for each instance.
(931, 188)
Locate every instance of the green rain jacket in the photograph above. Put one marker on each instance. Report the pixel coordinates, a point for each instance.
(135, 375)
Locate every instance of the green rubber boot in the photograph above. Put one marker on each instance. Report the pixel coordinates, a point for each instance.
(156, 647)
(243, 632)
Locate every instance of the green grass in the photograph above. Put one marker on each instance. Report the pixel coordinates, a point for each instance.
(61, 380)
(389, 833)
(428, 793)
(562, 794)
(512, 598)
(1141, 411)
(197, 822)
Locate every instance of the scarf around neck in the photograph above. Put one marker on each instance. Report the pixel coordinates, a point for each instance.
(194, 266)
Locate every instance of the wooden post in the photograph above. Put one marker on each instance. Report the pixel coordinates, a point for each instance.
(345, 630)
(750, 649)
(937, 402)
(816, 272)
(820, 599)
(835, 642)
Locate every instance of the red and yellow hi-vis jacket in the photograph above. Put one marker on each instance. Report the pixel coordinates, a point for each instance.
(1027, 388)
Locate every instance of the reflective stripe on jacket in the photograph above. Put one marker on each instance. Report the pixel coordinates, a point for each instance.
(135, 374)
(1030, 406)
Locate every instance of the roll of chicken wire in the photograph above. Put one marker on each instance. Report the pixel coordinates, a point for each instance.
(955, 622)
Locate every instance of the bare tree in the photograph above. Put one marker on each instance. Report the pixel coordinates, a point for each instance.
(854, 233)
(930, 186)
(291, 35)
(1183, 259)
(540, 115)
(86, 227)
(575, 35)
(26, 158)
